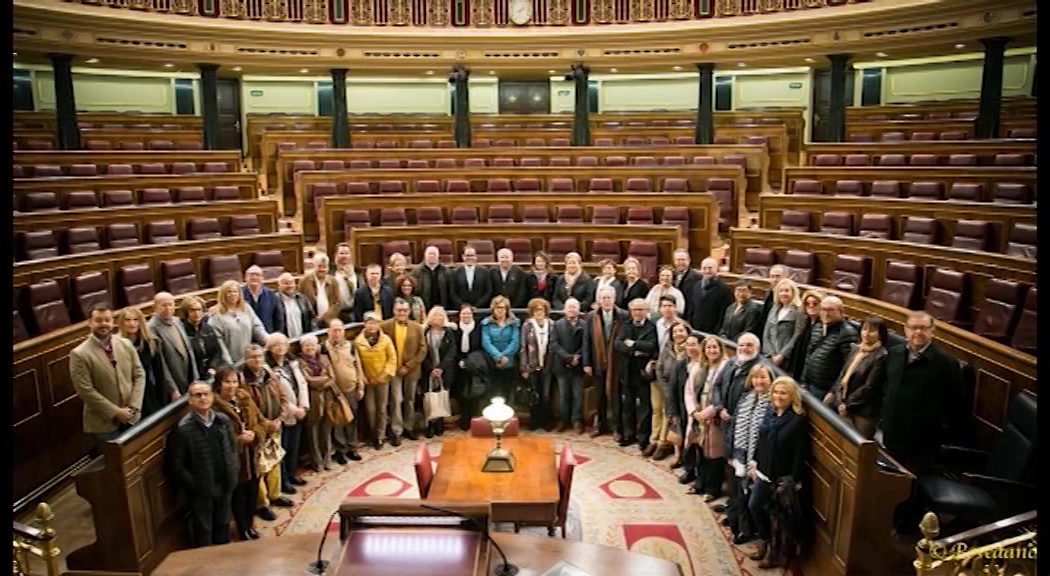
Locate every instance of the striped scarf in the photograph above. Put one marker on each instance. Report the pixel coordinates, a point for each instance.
(748, 418)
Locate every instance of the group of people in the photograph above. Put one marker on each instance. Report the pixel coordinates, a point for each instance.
(660, 378)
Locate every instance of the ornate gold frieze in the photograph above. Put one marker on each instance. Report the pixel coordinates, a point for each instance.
(482, 13)
(559, 12)
(438, 12)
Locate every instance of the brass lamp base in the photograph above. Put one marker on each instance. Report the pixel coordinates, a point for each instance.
(498, 460)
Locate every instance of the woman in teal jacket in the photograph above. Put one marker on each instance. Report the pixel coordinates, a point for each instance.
(500, 338)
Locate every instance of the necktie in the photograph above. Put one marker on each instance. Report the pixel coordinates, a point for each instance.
(606, 325)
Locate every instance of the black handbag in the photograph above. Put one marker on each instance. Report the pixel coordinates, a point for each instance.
(526, 394)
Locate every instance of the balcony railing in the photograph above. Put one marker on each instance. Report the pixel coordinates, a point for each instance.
(1006, 547)
(467, 13)
(30, 541)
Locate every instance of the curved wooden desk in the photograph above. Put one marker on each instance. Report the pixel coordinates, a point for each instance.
(290, 555)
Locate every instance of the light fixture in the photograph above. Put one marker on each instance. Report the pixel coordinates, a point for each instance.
(169, 65)
(613, 70)
(14, 53)
(492, 72)
(237, 68)
(92, 61)
(741, 64)
(810, 60)
(550, 71)
(960, 46)
(499, 415)
(430, 72)
(880, 54)
(677, 68)
(305, 70)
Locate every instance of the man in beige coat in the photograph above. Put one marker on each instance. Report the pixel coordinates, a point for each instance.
(321, 290)
(410, 347)
(108, 377)
(351, 382)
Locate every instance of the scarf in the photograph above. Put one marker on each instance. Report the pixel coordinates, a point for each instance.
(693, 370)
(771, 421)
(464, 341)
(601, 347)
(313, 365)
(748, 418)
(862, 351)
(570, 279)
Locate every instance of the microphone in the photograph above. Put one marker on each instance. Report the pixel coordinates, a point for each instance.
(504, 569)
(320, 566)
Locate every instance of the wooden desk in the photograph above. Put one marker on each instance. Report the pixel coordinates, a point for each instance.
(289, 554)
(532, 486)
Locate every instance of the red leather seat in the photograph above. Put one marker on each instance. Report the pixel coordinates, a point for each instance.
(39, 244)
(605, 215)
(558, 247)
(424, 470)
(481, 143)
(827, 160)
(485, 250)
(926, 190)
(358, 164)
(215, 167)
(886, 189)
(463, 215)
(271, 262)
(136, 284)
(647, 253)
(923, 160)
(807, 187)
(570, 215)
(851, 273)
(602, 249)
(223, 268)
(838, 223)
(955, 135)
(203, 229)
(1022, 241)
(355, 219)
(80, 240)
(684, 141)
(899, 287)
(704, 160)
(1010, 160)
(680, 185)
(796, 221)
(429, 216)
(530, 161)
(643, 161)
(457, 186)
(521, 247)
(160, 145)
(83, 170)
(505, 143)
(219, 193)
(119, 170)
(949, 290)
(39, 202)
(527, 185)
(559, 161)
(122, 235)
(876, 226)
(962, 160)
(601, 185)
(857, 160)
(1000, 309)
(560, 185)
(634, 141)
(723, 139)
(640, 215)
(84, 200)
(332, 165)
(1011, 193)
(892, 160)
(587, 161)
(637, 185)
(676, 216)
(849, 188)
(674, 160)
(161, 232)
(758, 261)
(398, 216)
(893, 137)
(920, 230)
(245, 225)
(532, 214)
(178, 276)
(420, 144)
(189, 145)
(659, 140)
(152, 168)
(47, 307)
(920, 136)
(190, 194)
(498, 185)
(503, 162)
(154, 196)
(47, 171)
(973, 235)
(446, 144)
(391, 187)
(1024, 336)
(802, 266)
(1021, 133)
(966, 191)
(560, 142)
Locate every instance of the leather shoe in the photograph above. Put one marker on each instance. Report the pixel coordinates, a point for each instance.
(687, 478)
(718, 508)
(649, 450)
(296, 481)
(760, 553)
(429, 434)
(266, 514)
(596, 433)
(677, 464)
(767, 564)
(282, 502)
(663, 451)
(353, 455)
(339, 458)
(378, 445)
(410, 435)
(742, 539)
(288, 489)
(577, 428)
(252, 533)
(395, 441)
(243, 536)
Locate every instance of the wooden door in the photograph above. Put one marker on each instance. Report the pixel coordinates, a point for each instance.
(229, 96)
(525, 97)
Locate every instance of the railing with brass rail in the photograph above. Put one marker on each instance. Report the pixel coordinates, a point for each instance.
(468, 13)
(1003, 548)
(39, 542)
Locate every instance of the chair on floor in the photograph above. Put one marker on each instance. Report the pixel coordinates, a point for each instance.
(424, 470)
(566, 467)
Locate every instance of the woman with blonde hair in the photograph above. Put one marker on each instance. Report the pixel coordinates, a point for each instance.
(236, 322)
(704, 457)
(397, 265)
(811, 307)
(741, 445)
(131, 324)
(665, 287)
(439, 363)
(536, 361)
(784, 324)
(405, 288)
(633, 285)
(778, 463)
(574, 283)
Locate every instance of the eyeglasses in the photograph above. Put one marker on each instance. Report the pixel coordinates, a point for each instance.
(918, 328)
(200, 394)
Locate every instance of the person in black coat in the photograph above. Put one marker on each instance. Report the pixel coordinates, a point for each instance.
(471, 285)
(602, 363)
(743, 315)
(830, 343)
(131, 324)
(633, 285)
(508, 279)
(364, 298)
(705, 305)
(637, 345)
(582, 288)
(209, 350)
(811, 308)
(202, 459)
(539, 282)
(685, 277)
(566, 347)
(780, 454)
(857, 394)
(440, 360)
(467, 338)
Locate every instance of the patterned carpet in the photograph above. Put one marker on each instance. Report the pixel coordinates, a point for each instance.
(618, 499)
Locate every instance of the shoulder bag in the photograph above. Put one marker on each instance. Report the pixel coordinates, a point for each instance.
(435, 401)
(336, 408)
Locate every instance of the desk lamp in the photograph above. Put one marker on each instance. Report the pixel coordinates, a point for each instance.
(498, 414)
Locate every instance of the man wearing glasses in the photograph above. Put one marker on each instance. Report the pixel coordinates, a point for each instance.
(921, 405)
(470, 284)
(829, 346)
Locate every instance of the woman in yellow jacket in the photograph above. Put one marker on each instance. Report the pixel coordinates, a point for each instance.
(378, 358)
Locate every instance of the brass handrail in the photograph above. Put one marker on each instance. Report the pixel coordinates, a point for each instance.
(32, 541)
(959, 555)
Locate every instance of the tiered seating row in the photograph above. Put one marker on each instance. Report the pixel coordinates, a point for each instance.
(114, 139)
(958, 153)
(901, 130)
(963, 109)
(91, 163)
(49, 234)
(952, 284)
(1013, 185)
(693, 214)
(110, 120)
(565, 181)
(52, 296)
(44, 194)
(1002, 228)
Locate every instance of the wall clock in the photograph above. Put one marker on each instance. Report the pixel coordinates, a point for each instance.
(520, 12)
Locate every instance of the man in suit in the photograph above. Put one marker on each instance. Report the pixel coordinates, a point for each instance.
(299, 317)
(319, 288)
(347, 280)
(602, 363)
(637, 345)
(179, 362)
(432, 279)
(777, 272)
(410, 348)
(567, 349)
(202, 458)
(262, 300)
(374, 296)
(108, 377)
(470, 284)
(706, 306)
(508, 280)
(921, 407)
(743, 315)
(684, 276)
